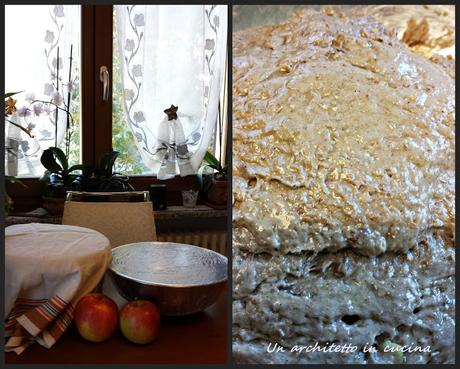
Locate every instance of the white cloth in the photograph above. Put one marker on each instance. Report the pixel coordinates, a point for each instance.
(171, 133)
(48, 267)
(172, 55)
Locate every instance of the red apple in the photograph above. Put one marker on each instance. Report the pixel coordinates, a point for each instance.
(96, 317)
(140, 321)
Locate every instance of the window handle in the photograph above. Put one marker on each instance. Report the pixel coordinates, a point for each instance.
(105, 79)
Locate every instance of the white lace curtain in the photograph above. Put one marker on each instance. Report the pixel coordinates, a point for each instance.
(172, 55)
(33, 35)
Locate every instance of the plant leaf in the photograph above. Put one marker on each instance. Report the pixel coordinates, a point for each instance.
(49, 161)
(9, 94)
(8, 204)
(13, 179)
(211, 160)
(106, 163)
(60, 156)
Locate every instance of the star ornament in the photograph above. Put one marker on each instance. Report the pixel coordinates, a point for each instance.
(171, 112)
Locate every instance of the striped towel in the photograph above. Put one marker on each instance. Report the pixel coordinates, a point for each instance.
(43, 321)
(49, 268)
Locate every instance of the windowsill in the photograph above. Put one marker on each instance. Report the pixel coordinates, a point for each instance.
(171, 213)
(28, 196)
(199, 211)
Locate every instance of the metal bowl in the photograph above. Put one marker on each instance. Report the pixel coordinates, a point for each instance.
(182, 279)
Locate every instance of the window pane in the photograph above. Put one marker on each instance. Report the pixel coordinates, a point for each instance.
(34, 35)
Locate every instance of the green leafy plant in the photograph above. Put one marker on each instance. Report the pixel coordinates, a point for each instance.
(109, 180)
(8, 199)
(59, 176)
(211, 168)
(103, 177)
(212, 162)
(55, 161)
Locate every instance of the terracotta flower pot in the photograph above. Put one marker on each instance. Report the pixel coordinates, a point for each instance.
(217, 194)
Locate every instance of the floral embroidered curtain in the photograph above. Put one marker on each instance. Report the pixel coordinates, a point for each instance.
(172, 57)
(33, 36)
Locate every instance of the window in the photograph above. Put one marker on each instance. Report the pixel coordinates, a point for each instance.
(42, 61)
(130, 161)
(97, 125)
(167, 55)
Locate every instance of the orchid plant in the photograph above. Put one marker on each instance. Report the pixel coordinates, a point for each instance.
(56, 175)
(54, 108)
(10, 109)
(210, 168)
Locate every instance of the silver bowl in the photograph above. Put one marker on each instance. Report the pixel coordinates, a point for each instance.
(181, 279)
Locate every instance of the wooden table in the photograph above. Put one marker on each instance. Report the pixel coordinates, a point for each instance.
(200, 338)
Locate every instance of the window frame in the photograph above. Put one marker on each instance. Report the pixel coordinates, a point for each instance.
(96, 115)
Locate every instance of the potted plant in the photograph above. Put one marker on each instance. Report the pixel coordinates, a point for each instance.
(58, 178)
(103, 178)
(213, 178)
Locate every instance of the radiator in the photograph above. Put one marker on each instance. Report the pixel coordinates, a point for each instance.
(212, 240)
